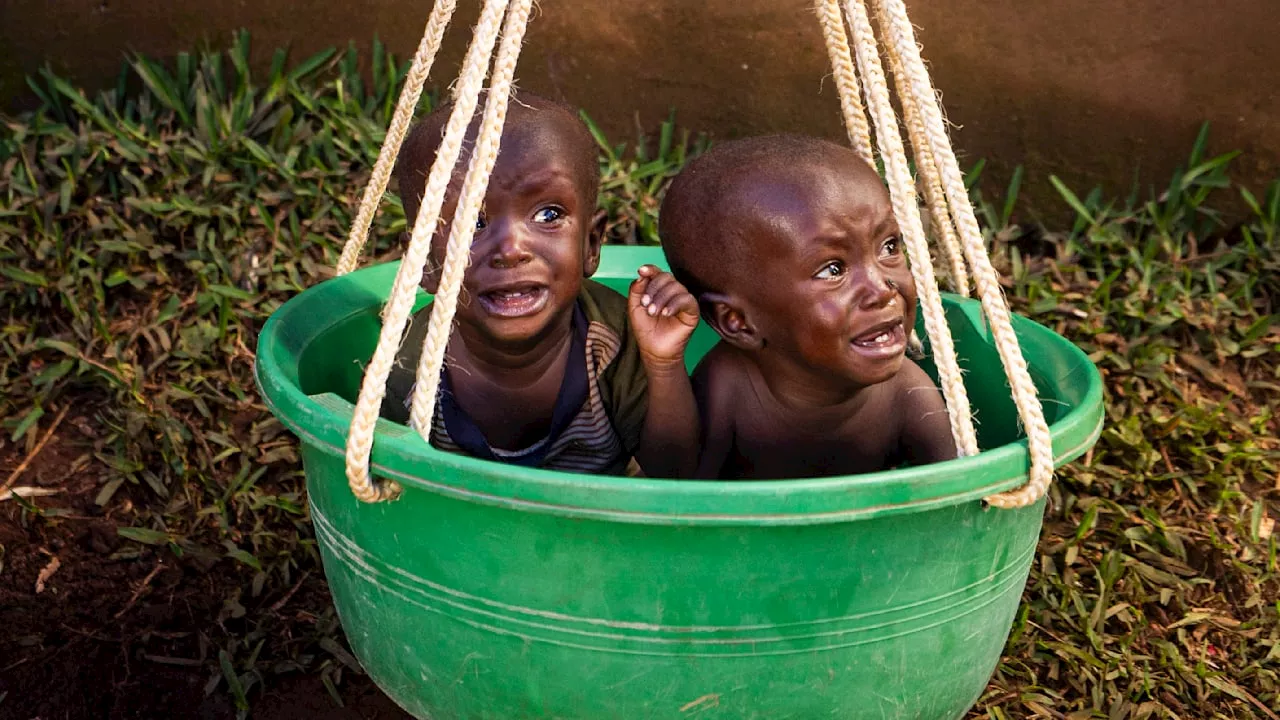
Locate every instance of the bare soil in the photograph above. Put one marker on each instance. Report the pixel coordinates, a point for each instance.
(118, 630)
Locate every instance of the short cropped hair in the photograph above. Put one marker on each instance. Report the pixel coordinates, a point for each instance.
(700, 225)
(524, 109)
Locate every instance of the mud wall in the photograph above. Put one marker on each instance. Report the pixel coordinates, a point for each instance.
(1089, 89)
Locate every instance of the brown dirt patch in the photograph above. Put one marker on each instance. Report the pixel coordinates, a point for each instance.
(119, 630)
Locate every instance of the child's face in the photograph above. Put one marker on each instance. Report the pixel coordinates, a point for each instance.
(837, 299)
(534, 240)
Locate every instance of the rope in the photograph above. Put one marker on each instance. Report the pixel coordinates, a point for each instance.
(855, 117)
(855, 121)
(457, 253)
(901, 40)
(942, 181)
(927, 170)
(441, 13)
(404, 291)
(902, 192)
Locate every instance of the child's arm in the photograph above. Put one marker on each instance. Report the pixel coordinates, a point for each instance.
(711, 390)
(926, 427)
(663, 316)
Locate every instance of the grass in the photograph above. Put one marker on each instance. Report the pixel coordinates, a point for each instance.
(146, 233)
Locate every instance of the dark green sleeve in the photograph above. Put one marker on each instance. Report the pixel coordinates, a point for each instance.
(624, 384)
(627, 393)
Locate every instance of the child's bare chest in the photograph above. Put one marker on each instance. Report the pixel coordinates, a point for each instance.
(770, 442)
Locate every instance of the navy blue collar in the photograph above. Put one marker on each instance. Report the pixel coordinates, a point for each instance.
(572, 395)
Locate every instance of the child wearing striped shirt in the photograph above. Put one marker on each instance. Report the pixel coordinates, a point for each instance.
(545, 367)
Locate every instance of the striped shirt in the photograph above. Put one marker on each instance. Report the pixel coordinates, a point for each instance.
(599, 412)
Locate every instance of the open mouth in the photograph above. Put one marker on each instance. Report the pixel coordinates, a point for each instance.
(515, 301)
(883, 340)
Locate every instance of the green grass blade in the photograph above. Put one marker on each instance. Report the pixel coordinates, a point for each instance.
(311, 65)
(239, 56)
(1198, 148)
(1072, 200)
(162, 86)
(1011, 197)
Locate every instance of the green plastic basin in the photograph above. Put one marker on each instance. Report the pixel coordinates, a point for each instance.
(492, 591)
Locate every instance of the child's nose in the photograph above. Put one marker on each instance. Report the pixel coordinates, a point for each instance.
(507, 245)
(875, 290)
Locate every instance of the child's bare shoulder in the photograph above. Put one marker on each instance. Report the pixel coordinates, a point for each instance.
(925, 426)
(721, 373)
(911, 378)
(722, 387)
(718, 384)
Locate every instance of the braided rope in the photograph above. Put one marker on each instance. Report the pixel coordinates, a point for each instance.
(855, 116)
(404, 291)
(935, 159)
(902, 191)
(900, 36)
(432, 35)
(458, 250)
(927, 171)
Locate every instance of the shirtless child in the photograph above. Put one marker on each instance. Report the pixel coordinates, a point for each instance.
(791, 247)
(546, 368)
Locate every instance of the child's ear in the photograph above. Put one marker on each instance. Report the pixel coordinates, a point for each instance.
(595, 238)
(727, 317)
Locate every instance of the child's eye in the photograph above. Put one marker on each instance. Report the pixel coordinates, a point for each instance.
(831, 270)
(480, 221)
(548, 215)
(891, 246)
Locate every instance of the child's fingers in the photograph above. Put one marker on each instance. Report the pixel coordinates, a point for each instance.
(637, 293)
(666, 296)
(647, 274)
(684, 303)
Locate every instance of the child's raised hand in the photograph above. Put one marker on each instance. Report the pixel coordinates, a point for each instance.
(663, 315)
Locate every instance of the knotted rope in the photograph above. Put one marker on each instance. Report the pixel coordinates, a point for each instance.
(396, 313)
(948, 201)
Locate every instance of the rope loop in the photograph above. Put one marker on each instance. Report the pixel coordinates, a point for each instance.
(395, 315)
(857, 70)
